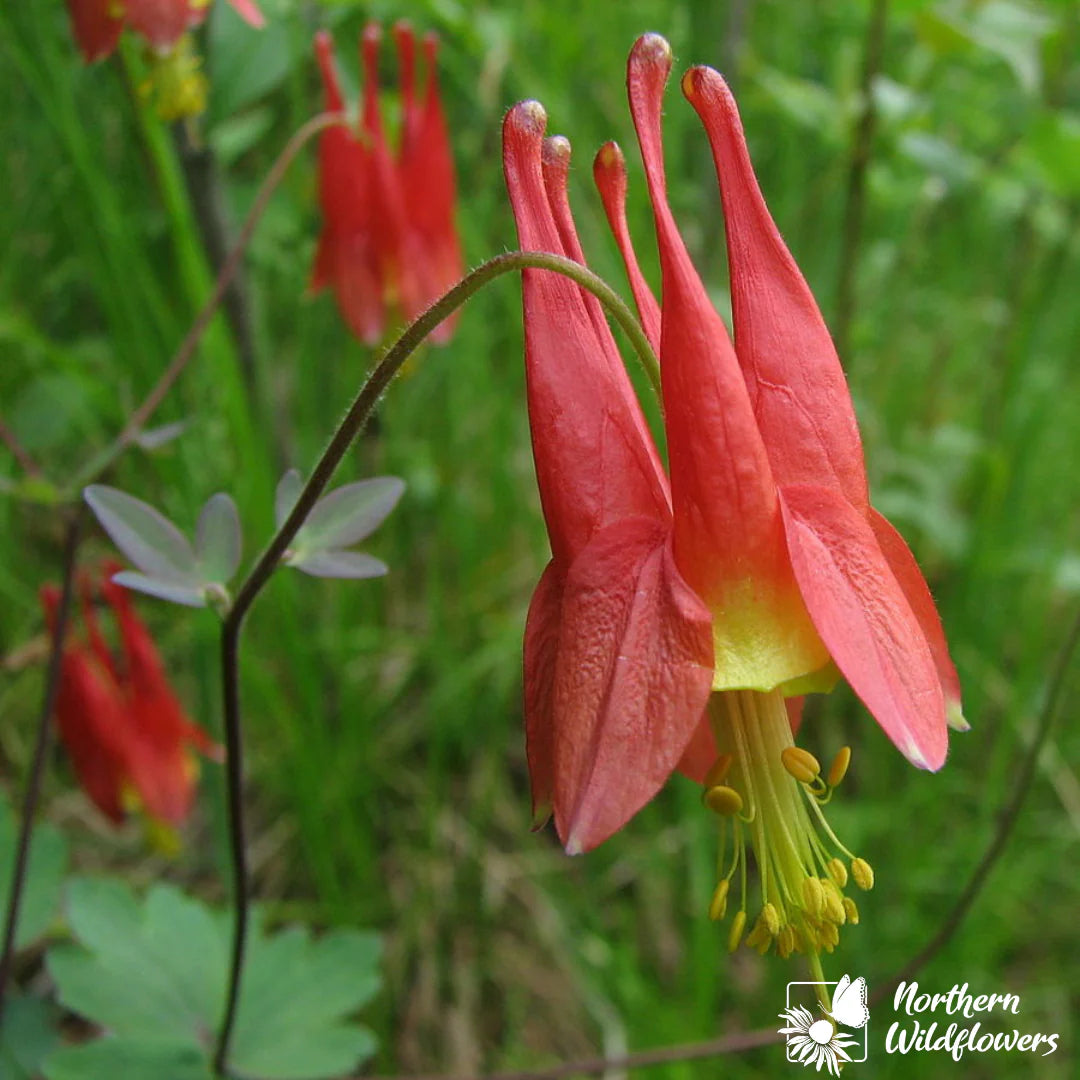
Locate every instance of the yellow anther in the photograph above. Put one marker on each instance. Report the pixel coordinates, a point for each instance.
(771, 919)
(838, 768)
(830, 935)
(723, 800)
(718, 903)
(851, 911)
(757, 936)
(838, 872)
(813, 896)
(785, 944)
(801, 764)
(834, 909)
(862, 873)
(738, 924)
(718, 771)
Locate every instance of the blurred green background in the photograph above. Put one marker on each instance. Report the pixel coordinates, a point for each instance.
(387, 779)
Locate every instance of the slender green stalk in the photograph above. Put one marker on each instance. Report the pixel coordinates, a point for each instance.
(36, 772)
(186, 350)
(353, 423)
(854, 205)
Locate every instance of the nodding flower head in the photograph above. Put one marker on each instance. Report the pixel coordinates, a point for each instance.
(684, 614)
(389, 244)
(129, 740)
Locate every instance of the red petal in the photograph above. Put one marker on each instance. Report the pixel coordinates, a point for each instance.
(430, 187)
(729, 540)
(540, 652)
(346, 258)
(595, 461)
(162, 22)
(555, 165)
(799, 393)
(398, 256)
(726, 514)
(95, 27)
(917, 592)
(700, 752)
(609, 173)
(633, 675)
(95, 729)
(247, 11)
(862, 615)
(358, 286)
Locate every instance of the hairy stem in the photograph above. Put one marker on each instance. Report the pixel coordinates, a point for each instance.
(41, 752)
(353, 423)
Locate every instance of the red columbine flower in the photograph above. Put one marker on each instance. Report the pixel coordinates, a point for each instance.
(124, 729)
(388, 246)
(97, 23)
(676, 623)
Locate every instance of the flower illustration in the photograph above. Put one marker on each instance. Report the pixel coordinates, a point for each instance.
(389, 245)
(684, 615)
(127, 735)
(815, 1042)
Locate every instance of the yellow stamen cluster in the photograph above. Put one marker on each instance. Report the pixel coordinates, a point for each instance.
(769, 792)
(176, 85)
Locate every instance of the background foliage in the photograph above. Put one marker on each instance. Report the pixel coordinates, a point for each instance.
(387, 780)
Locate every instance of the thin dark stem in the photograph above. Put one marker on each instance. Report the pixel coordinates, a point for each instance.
(234, 778)
(1006, 821)
(856, 185)
(203, 182)
(41, 752)
(18, 451)
(643, 1059)
(353, 423)
(186, 350)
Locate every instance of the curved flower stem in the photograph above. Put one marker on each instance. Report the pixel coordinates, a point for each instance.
(1006, 820)
(186, 350)
(41, 751)
(359, 413)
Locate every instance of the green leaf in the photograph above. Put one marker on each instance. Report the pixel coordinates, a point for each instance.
(153, 973)
(27, 1037)
(148, 538)
(218, 540)
(188, 595)
(157, 437)
(349, 514)
(288, 491)
(130, 1059)
(339, 564)
(44, 878)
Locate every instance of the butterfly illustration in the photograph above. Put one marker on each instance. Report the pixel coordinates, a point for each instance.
(849, 1003)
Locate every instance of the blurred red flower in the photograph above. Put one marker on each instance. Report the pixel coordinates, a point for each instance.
(389, 245)
(126, 733)
(97, 23)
